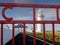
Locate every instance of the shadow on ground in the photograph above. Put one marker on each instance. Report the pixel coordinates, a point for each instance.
(29, 40)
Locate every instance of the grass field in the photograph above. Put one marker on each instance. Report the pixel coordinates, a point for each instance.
(48, 37)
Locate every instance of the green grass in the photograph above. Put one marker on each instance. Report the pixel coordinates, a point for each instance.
(48, 37)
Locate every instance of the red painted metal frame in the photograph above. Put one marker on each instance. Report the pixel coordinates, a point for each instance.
(11, 21)
(57, 10)
(1, 34)
(44, 34)
(34, 32)
(29, 5)
(53, 33)
(24, 35)
(3, 11)
(13, 41)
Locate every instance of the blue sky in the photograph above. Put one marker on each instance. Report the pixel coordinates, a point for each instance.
(26, 13)
(33, 1)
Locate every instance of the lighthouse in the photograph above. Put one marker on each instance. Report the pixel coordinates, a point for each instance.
(40, 17)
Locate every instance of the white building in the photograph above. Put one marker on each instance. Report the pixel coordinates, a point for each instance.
(40, 17)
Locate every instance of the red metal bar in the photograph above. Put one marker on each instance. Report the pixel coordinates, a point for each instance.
(29, 22)
(44, 34)
(1, 34)
(34, 26)
(13, 35)
(30, 5)
(53, 33)
(57, 13)
(4, 16)
(24, 36)
(34, 13)
(34, 40)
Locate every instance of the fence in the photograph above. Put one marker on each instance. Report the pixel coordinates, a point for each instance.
(33, 6)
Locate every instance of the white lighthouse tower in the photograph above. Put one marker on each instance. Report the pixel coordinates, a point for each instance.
(40, 17)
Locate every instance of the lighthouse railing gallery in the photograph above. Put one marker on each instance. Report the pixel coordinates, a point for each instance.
(9, 20)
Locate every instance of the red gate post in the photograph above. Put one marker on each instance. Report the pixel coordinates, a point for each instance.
(13, 34)
(53, 32)
(1, 34)
(24, 35)
(34, 26)
(44, 34)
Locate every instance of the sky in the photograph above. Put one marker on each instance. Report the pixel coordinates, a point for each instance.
(33, 1)
(19, 13)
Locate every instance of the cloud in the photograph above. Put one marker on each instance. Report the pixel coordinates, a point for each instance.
(52, 18)
(23, 1)
(23, 18)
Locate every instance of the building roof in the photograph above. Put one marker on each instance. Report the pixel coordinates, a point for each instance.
(20, 26)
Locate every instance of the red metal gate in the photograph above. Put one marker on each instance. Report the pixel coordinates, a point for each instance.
(11, 21)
